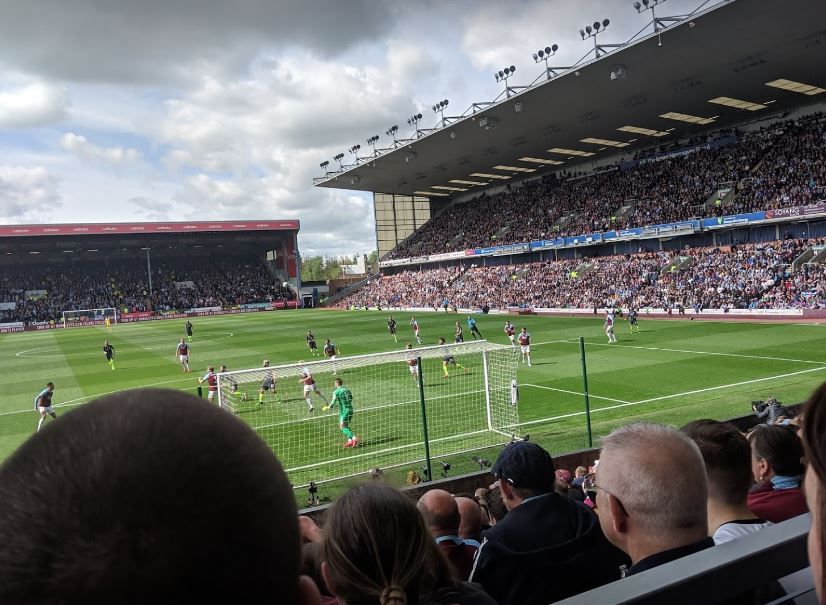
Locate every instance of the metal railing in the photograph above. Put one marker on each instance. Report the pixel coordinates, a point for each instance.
(349, 289)
(734, 570)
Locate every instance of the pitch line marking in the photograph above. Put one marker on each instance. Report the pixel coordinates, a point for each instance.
(651, 400)
(23, 354)
(741, 355)
(539, 386)
(84, 399)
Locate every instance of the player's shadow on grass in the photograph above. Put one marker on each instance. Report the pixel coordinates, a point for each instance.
(378, 441)
(544, 363)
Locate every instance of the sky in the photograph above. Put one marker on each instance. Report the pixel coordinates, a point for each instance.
(164, 110)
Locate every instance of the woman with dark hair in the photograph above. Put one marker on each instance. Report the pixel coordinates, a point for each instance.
(777, 466)
(814, 429)
(378, 551)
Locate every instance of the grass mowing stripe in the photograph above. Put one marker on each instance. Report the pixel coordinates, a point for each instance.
(539, 386)
(664, 397)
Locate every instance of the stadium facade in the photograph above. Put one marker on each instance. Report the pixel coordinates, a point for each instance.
(34, 256)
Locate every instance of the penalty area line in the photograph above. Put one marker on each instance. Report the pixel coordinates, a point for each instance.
(664, 397)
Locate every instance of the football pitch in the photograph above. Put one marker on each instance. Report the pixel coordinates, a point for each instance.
(673, 371)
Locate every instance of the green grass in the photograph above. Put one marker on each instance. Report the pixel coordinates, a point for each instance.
(673, 372)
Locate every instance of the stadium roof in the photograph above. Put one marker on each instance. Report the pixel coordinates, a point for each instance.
(733, 62)
(147, 228)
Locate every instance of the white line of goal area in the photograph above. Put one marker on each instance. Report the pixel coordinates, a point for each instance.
(360, 410)
(653, 399)
(667, 350)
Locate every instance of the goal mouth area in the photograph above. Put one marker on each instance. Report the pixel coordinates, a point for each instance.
(323, 366)
(407, 405)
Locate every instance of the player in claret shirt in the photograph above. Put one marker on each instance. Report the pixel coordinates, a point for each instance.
(415, 326)
(182, 352)
(310, 387)
(525, 345)
(510, 330)
(330, 351)
(211, 378)
(43, 404)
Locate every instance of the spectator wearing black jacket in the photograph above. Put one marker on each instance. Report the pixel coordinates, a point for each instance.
(547, 547)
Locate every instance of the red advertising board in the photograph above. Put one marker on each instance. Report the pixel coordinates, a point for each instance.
(132, 228)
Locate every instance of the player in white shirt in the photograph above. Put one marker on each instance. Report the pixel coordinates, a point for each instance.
(609, 326)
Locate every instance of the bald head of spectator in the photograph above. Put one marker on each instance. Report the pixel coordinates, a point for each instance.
(441, 513)
(651, 490)
(148, 496)
(470, 524)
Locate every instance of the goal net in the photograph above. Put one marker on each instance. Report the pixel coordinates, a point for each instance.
(89, 317)
(471, 408)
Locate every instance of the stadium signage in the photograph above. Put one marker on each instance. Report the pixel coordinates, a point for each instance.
(8, 306)
(108, 228)
(734, 219)
(15, 326)
(813, 209)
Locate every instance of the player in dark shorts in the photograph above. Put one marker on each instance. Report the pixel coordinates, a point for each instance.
(311, 344)
(459, 336)
(449, 360)
(267, 384)
(632, 320)
(188, 328)
(391, 327)
(109, 351)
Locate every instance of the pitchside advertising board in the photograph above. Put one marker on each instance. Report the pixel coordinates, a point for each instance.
(652, 231)
(6, 328)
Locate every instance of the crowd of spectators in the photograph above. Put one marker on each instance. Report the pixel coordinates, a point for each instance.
(740, 276)
(777, 166)
(176, 284)
(540, 534)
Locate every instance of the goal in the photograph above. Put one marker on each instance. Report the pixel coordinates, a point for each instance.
(472, 408)
(89, 317)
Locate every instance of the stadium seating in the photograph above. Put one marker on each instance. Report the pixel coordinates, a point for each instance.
(742, 276)
(123, 284)
(778, 166)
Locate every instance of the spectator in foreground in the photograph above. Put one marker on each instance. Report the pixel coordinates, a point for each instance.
(544, 538)
(496, 507)
(114, 503)
(377, 551)
(727, 456)
(470, 524)
(651, 494)
(441, 513)
(777, 466)
(814, 428)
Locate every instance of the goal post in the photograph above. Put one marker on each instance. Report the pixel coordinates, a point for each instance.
(85, 317)
(469, 409)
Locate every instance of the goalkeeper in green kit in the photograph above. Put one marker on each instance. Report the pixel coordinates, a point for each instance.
(343, 398)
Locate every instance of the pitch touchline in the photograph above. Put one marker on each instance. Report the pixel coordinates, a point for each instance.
(623, 405)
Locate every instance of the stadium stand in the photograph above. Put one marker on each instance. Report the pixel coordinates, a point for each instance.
(741, 276)
(177, 284)
(776, 166)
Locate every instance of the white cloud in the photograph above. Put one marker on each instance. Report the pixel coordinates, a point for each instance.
(32, 104)
(81, 147)
(167, 41)
(27, 193)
